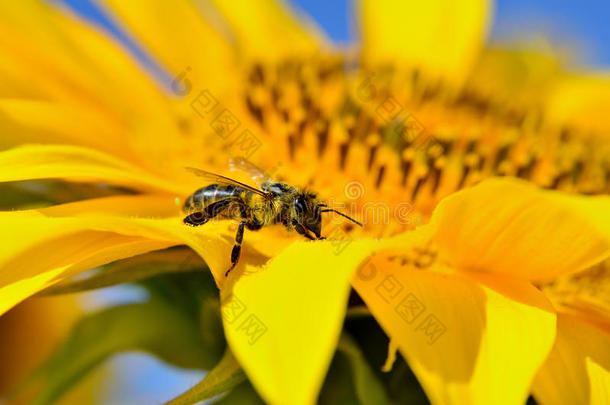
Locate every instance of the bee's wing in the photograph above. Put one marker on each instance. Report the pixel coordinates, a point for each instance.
(257, 174)
(217, 178)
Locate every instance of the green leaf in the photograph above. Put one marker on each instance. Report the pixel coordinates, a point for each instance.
(226, 375)
(369, 389)
(400, 384)
(132, 270)
(338, 387)
(210, 323)
(186, 291)
(153, 327)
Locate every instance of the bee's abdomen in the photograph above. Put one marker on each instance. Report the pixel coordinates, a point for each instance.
(211, 194)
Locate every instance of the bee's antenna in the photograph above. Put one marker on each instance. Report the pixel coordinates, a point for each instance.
(343, 215)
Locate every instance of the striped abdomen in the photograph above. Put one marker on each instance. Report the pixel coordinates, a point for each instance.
(211, 194)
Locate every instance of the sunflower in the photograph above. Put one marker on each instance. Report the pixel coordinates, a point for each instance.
(480, 183)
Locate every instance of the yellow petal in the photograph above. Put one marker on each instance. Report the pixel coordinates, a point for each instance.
(268, 30)
(511, 227)
(64, 60)
(593, 208)
(257, 248)
(468, 340)
(581, 102)
(29, 265)
(283, 321)
(43, 247)
(599, 378)
(440, 37)
(219, 235)
(26, 121)
(78, 163)
(140, 206)
(577, 370)
(519, 76)
(213, 242)
(178, 35)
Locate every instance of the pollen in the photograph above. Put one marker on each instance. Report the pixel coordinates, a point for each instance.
(408, 140)
(588, 290)
(422, 256)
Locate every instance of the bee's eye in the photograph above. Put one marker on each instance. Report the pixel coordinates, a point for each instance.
(299, 205)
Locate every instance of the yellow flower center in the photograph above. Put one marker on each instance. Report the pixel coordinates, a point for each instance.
(587, 291)
(401, 142)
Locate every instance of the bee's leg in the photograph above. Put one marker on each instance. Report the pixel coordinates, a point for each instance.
(237, 248)
(201, 217)
(300, 229)
(196, 219)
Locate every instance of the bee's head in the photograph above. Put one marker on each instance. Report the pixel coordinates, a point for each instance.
(306, 210)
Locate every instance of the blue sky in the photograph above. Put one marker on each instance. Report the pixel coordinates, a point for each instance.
(582, 25)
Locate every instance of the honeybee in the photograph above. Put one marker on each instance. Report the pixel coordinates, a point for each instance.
(274, 203)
